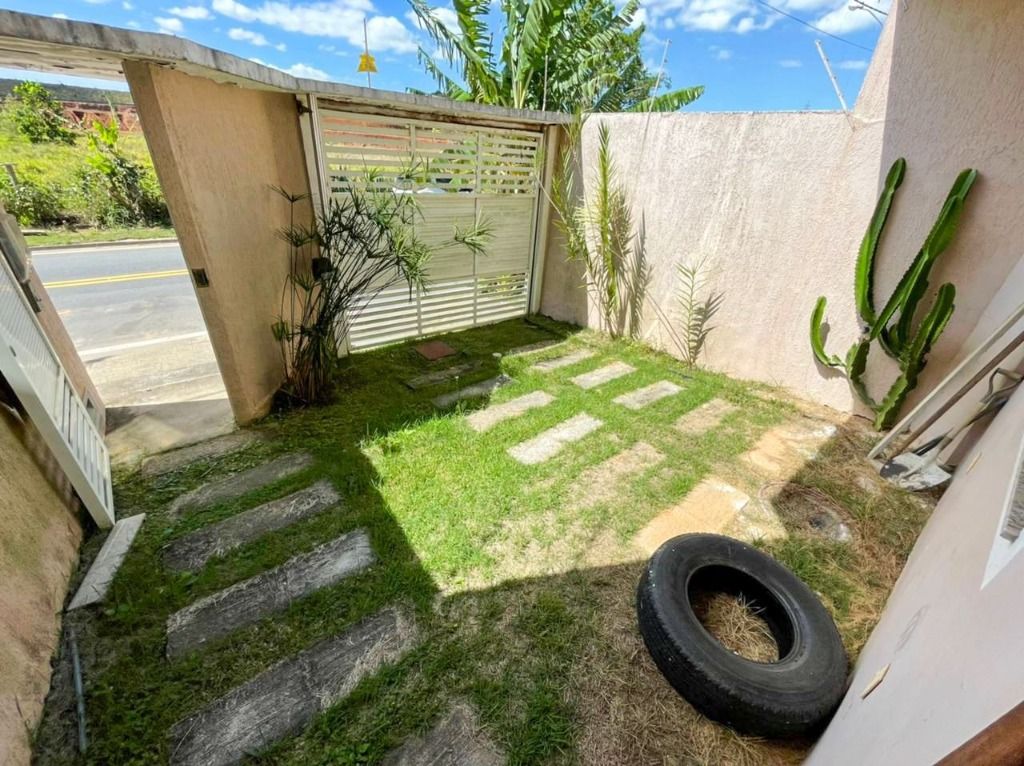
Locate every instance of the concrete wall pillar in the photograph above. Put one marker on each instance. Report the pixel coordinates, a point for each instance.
(219, 150)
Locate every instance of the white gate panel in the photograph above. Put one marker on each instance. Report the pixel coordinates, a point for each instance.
(461, 174)
(33, 370)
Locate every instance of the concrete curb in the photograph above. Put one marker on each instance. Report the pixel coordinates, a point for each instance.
(114, 243)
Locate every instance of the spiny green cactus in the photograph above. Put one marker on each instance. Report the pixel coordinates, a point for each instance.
(893, 327)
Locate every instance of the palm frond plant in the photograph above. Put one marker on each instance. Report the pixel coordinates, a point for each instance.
(364, 242)
(697, 307)
(554, 55)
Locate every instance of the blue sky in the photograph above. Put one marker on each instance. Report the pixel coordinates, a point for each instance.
(749, 55)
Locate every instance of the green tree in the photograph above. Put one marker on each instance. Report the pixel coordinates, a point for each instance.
(37, 114)
(559, 55)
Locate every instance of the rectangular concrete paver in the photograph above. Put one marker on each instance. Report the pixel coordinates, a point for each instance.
(441, 376)
(532, 348)
(475, 391)
(251, 600)
(456, 741)
(705, 417)
(239, 484)
(600, 483)
(174, 460)
(563, 361)
(549, 443)
(641, 397)
(283, 699)
(97, 580)
(603, 375)
(487, 418)
(194, 550)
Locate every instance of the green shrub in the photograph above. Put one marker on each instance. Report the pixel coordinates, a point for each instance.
(38, 115)
(33, 203)
(133, 189)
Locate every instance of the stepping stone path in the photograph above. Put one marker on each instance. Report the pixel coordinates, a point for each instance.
(559, 362)
(251, 600)
(533, 348)
(283, 699)
(485, 419)
(603, 375)
(705, 417)
(176, 459)
(193, 550)
(441, 376)
(549, 443)
(456, 741)
(784, 450)
(101, 574)
(475, 391)
(600, 483)
(637, 400)
(712, 506)
(242, 483)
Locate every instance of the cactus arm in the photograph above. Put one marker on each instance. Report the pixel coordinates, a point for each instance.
(864, 275)
(817, 342)
(916, 355)
(856, 364)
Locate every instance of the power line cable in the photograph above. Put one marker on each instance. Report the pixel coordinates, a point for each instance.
(811, 26)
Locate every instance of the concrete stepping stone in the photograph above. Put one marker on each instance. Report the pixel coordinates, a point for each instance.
(549, 443)
(485, 419)
(457, 741)
(559, 362)
(283, 699)
(193, 550)
(175, 460)
(641, 397)
(601, 482)
(101, 574)
(242, 483)
(603, 375)
(705, 417)
(532, 348)
(784, 450)
(441, 376)
(475, 391)
(712, 506)
(251, 600)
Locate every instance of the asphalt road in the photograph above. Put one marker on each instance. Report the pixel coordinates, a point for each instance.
(133, 316)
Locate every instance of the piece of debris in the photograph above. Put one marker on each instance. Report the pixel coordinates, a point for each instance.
(876, 681)
(97, 580)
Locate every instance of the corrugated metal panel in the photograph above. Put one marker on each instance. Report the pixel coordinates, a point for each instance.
(462, 174)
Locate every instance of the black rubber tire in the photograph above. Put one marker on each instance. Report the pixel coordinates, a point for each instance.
(792, 697)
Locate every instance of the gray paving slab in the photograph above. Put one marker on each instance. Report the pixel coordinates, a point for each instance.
(284, 698)
(441, 376)
(251, 600)
(475, 391)
(549, 365)
(457, 741)
(97, 580)
(487, 418)
(705, 417)
(532, 348)
(166, 462)
(603, 375)
(549, 443)
(641, 397)
(239, 484)
(193, 550)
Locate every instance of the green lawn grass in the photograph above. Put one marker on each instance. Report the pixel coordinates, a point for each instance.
(524, 607)
(94, 236)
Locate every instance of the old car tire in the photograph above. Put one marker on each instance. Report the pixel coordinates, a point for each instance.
(793, 696)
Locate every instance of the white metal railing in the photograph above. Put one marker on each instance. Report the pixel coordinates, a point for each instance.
(33, 370)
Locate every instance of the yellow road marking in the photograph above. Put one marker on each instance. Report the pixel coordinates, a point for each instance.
(115, 278)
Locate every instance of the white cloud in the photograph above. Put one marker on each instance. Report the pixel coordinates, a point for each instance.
(255, 38)
(307, 71)
(128, 6)
(721, 54)
(195, 12)
(133, 24)
(443, 13)
(854, 64)
(60, 15)
(842, 20)
(97, 2)
(791, 63)
(169, 26)
(332, 18)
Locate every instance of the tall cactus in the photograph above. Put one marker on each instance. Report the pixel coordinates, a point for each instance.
(893, 327)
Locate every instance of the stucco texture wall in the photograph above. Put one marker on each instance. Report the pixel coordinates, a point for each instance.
(778, 202)
(38, 551)
(218, 151)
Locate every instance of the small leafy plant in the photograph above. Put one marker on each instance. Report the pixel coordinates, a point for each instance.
(38, 115)
(133, 189)
(697, 307)
(894, 327)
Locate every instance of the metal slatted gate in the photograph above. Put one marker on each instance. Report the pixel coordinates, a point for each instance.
(33, 370)
(463, 173)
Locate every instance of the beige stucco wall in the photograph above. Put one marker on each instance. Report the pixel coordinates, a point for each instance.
(38, 550)
(218, 149)
(779, 202)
